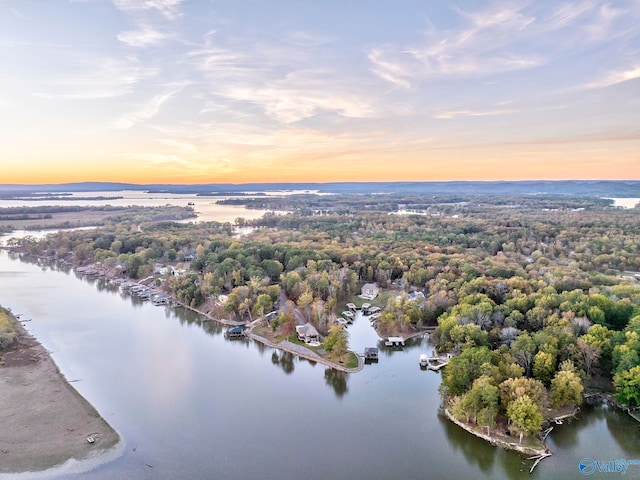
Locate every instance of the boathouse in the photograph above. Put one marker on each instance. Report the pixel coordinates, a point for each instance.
(394, 342)
(371, 354)
(235, 332)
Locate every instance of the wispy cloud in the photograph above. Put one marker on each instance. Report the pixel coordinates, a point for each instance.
(96, 78)
(285, 82)
(144, 36)
(564, 14)
(302, 94)
(504, 37)
(484, 46)
(470, 113)
(20, 15)
(613, 78)
(147, 111)
(168, 8)
(388, 70)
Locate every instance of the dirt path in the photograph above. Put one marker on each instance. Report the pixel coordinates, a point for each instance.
(44, 420)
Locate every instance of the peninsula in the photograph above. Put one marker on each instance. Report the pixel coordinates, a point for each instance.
(45, 421)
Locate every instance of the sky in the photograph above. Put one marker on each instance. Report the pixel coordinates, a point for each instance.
(206, 91)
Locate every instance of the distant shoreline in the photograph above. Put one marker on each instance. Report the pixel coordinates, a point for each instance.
(46, 423)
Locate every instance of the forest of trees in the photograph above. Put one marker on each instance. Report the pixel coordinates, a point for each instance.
(534, 295)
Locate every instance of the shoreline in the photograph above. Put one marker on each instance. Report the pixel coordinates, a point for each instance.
(46, 422)
(297, 350)
(303, 352)
(514, 446)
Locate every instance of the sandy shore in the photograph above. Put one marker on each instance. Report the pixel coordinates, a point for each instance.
(45, 422)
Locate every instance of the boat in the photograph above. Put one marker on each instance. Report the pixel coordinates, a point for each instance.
(423, 360)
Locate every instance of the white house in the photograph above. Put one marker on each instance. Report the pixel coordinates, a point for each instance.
(370, 290)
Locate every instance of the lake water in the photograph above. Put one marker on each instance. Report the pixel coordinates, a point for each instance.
(205, 207)
(196, 405)
(625, 202)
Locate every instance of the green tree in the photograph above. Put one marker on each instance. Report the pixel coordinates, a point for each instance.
(263, 305)
(627, 385)
(566, 389)
(462, 370)
(469, 335)
(524, 415)
(486, 418)
(483, 395)
(523, 349)
(337, 340)
(544, 365)
(624, 358)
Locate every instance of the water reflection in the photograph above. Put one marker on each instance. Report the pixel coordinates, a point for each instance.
(566, 436)
(284, 360)
(337, 380)
(212, 328)
(475, 451)
(624, 429)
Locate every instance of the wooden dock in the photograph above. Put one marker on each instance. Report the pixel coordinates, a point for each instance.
(394, 342)
(437, 363)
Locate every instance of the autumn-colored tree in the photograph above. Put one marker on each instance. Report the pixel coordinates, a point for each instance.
(513, 388)
(336, 341)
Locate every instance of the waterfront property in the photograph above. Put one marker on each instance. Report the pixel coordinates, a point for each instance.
(371, 354)
(307, 333)
(160, 300)
(184, 404)
(235, 332)
(370, 291)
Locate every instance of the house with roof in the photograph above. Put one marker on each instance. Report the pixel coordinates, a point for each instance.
(307, 333)
(235, 332)
(370, 291)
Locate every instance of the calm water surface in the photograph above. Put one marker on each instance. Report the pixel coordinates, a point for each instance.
(195, 405)
(205, 208)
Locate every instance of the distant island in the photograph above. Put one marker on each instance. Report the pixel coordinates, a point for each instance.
(617, 188)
